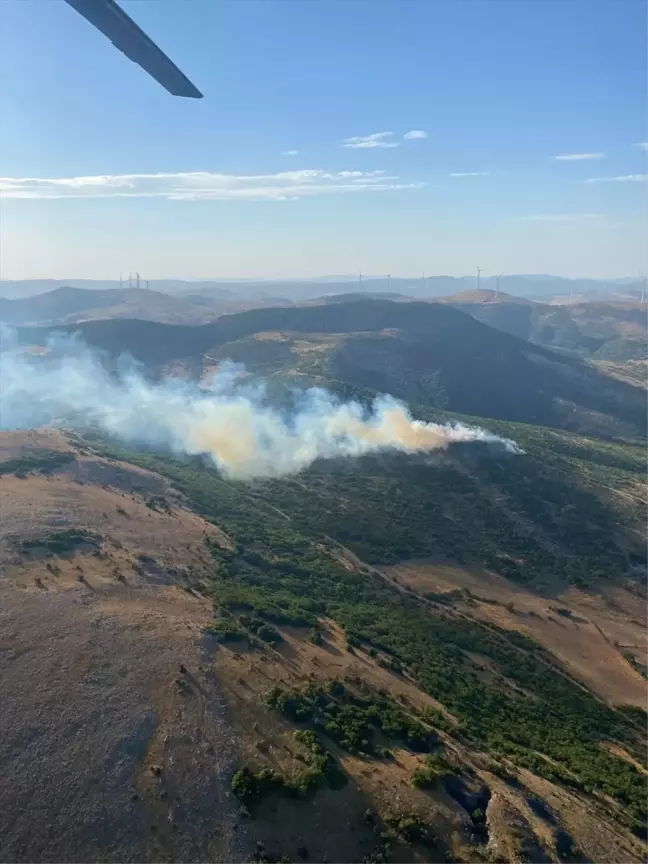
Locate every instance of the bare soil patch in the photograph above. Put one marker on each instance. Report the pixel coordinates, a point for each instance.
(109, 751)
(580, 630)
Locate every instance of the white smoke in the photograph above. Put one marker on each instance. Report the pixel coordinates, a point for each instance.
(233, 425)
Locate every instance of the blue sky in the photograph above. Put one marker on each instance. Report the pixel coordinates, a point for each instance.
(495, 89)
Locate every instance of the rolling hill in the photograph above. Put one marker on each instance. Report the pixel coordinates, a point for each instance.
(217, 673)
(598, 330)
(432, 657)
(71, 305)
(432, 354)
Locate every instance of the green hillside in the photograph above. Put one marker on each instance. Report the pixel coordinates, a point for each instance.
(428, 353)
(283, 571)
(602, 330)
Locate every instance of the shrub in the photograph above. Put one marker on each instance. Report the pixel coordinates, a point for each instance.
(225, 631)
(269, 634)
(62, 542)
(249, 786)
(336, 688)
(322, 763)
(315, 636)
(411, 828)
(431, 774)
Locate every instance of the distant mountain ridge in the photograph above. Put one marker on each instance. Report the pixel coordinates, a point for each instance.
(600, 330)
(19, 288)
(68, 304)
(532, 286)
(605, 330)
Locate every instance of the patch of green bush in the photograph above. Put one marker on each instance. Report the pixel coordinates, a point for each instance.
(226, 630)
(315, 636)
(321, 761)
(39, 459)
(432, 773)
(61, 542)
(250, 786)
(351, 721)
(411, 828)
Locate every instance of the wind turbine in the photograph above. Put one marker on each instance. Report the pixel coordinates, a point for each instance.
(478, 275)
(497, 278)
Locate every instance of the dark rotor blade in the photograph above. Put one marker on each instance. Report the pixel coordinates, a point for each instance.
(132, 41)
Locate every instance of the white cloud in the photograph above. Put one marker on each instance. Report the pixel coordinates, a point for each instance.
(621, 178)
(414, 134)
(362, 175)
(204, 185)
(471, 174)
(579, 157)
(643, 145)
(368, 142)
(290, 153)
(559, 217)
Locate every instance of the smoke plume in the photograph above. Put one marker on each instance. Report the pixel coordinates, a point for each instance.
(233, 425)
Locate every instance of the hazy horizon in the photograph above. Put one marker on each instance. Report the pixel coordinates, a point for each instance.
(332, 278)
(540, 287)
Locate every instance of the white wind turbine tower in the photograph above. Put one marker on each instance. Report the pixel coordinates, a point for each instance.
(497, 278)
(478, 276)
